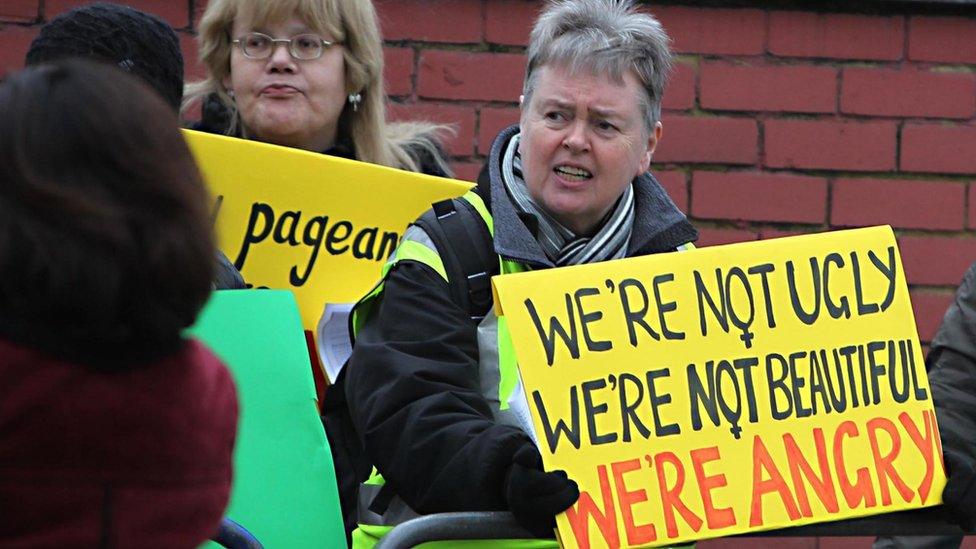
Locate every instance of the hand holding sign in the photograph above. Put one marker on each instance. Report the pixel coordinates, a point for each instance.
(536, 496)
(960, 493)
(728, 389)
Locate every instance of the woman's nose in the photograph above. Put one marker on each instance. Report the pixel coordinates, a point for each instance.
(281, 59)
(576, 138)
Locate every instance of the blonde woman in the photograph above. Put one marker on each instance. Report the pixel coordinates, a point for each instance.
(306, 74)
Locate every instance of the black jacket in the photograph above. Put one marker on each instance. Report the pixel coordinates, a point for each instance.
(951, 365)
(412, 383)
(952, 370)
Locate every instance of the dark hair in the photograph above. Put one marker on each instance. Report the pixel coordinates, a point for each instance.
(136, 42)
(106, 249)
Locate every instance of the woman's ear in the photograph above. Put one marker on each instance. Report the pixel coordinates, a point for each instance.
(652, 140)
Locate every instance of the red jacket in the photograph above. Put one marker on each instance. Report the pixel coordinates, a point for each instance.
(140, 458)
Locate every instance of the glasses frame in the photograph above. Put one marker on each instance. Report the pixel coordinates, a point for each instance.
(239, 42)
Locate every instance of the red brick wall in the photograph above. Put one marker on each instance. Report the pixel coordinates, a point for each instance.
(776, 122)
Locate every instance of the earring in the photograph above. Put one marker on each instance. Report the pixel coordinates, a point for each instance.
(354, 100)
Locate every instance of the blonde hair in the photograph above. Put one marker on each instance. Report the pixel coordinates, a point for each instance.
(350, 22)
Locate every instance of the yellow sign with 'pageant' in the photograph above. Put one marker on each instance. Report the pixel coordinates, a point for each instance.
(316, 224)
(723, 390)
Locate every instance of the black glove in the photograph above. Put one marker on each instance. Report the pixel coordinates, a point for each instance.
(959, 495)
(535, 496)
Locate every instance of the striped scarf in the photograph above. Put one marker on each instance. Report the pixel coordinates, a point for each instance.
(560, 244)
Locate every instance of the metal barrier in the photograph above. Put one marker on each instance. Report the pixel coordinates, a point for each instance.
(234, 536)
(453, 526)
(501, 525)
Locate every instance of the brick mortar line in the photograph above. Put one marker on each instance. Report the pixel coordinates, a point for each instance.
(827, 174)
(839, 116)
(839, 62)
(966, 205)
(766, 60)
(829, 201)
(898, 136)
(740, 224)
(821, 172)
(839, 89)
(941, 290)
(469, 47)
(414, 74)
(689, 195)
(484, 21)
(933, 177)
(191, 7)
(962, 234)
(21, 24)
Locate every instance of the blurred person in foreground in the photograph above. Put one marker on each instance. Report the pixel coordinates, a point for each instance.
(306, 74)
(115, 430)
(428, 389)
(136, 42)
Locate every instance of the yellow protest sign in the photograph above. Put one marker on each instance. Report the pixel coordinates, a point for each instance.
(319, 225)
(729, 389)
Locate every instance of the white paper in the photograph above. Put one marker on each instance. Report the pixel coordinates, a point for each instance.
(519, 405)
(332, 338)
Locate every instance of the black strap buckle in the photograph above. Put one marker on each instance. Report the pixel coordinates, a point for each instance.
(479, 292)
(444, 209)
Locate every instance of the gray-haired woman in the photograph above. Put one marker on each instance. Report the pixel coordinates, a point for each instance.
(427, 388)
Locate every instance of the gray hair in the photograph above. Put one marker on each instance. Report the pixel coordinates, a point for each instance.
(606, 37)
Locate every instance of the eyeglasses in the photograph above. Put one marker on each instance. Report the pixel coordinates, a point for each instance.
(257, 45)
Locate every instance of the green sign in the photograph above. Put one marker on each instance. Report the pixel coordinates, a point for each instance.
(284, 483)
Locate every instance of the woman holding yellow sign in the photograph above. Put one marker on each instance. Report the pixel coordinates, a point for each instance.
(432, 386)
(306, 74)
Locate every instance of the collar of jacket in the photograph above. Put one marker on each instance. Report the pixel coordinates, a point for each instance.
(659, 226)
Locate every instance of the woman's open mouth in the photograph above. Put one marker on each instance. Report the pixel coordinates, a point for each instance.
(573, 173)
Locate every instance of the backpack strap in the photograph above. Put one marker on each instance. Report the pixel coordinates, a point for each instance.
(463, 241)
(466, 247)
